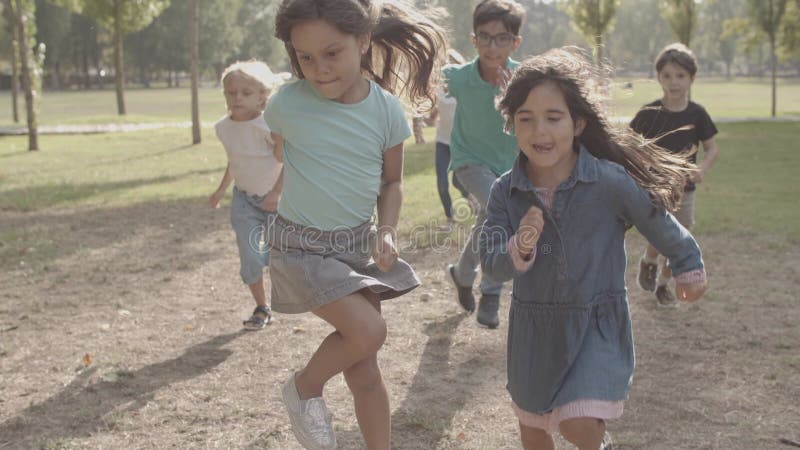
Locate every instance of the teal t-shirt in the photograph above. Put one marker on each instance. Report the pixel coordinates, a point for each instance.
(333, 153)
(478, 136)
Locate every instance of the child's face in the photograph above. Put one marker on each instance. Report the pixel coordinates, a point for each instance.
(545, 131)
(244, 97)
(494, 44)
(330, 59)
(675, 81)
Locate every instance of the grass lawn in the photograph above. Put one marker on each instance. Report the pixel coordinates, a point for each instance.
(735, 99)
(722, 99)
(750, 190)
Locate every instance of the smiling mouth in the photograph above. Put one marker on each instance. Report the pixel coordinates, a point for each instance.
(543, 148)
(325, 82)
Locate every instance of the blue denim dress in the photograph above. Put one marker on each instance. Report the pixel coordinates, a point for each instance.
(569, 334)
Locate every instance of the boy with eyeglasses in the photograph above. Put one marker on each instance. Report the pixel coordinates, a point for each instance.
(480, 150)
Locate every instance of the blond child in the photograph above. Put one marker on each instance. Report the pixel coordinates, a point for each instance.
(255, 172)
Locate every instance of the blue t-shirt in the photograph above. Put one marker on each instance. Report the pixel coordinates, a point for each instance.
(333, 153)
(478, 136)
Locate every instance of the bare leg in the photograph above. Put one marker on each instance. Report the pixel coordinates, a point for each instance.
(651, 252)
(535, 438)
(257, 289)
(371, 402)
(585, 432)
(360, 332)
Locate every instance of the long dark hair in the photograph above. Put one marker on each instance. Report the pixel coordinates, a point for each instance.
(407, 45)
(661, 173)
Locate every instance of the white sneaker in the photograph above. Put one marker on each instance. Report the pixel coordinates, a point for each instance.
(311, 421)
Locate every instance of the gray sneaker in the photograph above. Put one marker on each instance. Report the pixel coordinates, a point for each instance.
(665, 298)
(311, 421)
(607, 443)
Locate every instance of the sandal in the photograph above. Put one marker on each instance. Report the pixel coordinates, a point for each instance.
(257, 322)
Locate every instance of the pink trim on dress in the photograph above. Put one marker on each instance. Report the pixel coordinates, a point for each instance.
(691, 277)
(598, 409)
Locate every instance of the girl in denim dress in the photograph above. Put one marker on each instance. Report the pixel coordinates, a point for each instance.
(556, 224)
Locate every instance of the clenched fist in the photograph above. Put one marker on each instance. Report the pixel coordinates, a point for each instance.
(530, 228)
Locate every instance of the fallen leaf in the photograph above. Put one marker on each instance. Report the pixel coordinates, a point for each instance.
(297, 330)
(188, 327)
(87, 360)
(461, 436)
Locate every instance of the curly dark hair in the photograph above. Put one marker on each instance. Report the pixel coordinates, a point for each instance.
(662, 173)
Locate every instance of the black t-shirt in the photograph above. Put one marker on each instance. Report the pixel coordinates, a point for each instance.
(693, 126)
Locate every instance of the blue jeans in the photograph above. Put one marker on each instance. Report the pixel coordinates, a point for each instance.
(442, 184)
(251, 225)
(477, 180)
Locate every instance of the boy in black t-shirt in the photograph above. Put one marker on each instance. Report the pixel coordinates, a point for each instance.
(678, 124)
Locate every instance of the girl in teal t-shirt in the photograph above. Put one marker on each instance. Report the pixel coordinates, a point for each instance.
(340, 133)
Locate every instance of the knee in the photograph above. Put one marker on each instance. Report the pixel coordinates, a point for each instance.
(370, 334)
(584, 432)
(364, 376)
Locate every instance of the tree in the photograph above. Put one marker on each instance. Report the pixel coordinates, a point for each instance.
(681, 15)
(8, 12)
(122, 17)
(713, 39)
(638, 35)
(593, 18)
(53, 27)
(23, 14)
(789, 42)
(767, 14)
(194, 31)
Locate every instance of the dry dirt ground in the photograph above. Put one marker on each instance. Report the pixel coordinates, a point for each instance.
(151, 294)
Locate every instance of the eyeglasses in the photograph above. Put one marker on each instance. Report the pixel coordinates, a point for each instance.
(501, 40)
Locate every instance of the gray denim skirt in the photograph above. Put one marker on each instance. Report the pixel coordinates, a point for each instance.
(310, 267)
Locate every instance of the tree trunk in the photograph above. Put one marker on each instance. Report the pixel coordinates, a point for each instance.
(119, 75)
(194, 31)
(598, 48)
(14, 72)
(27, 85)
(773, 64)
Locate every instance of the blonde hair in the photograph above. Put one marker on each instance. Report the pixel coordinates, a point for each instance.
(256, 71)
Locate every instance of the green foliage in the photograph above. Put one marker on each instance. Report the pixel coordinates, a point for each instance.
(681, 15)
(128, 15)
(639, 34)
(593, 18)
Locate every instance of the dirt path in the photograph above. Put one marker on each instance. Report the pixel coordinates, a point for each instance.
(151, 294)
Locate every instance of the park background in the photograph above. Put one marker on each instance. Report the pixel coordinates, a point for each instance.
(120, 302)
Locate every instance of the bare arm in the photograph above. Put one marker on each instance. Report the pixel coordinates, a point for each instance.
(278, 150)
(270, 202)
(226, 181)
(710, 153)
(390, 200)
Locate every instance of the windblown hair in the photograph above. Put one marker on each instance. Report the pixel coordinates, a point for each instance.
(679, 54)
(405, 54)
(661, 173)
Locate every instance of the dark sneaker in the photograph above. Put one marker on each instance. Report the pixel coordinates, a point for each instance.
(665, 298)
(607, 443)
(647, 275)
(487, 311)
(465, 297)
